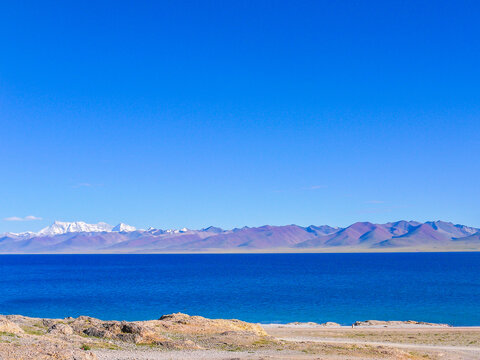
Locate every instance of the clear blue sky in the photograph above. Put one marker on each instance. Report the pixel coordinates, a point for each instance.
(232, 113)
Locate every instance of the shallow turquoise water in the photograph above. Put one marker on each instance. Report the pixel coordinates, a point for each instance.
(435, 287)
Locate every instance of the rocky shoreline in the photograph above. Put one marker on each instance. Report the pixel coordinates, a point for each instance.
(74, 338)
(87, 338)
(370, 323)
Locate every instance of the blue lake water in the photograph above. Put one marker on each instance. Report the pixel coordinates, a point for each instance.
(434, 287)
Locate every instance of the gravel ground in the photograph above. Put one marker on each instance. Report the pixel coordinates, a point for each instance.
(197, 354)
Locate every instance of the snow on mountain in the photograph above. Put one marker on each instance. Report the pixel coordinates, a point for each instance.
(176, 231)
(72, 236)
(60, 227)
(124, 228)
(19, 236)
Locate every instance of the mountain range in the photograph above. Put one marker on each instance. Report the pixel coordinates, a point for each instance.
(80, 237)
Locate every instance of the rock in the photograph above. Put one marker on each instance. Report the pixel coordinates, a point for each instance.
(8, 326)
(86, 319)
(330, 324)
(172, 332)
(140, 333)
(170, 316)
(132, 338)
(408, 323)
(97, 332)
(124, 331)
(113, 326)
(199, 325)
(48, 323)
(132, 328)
(60, 328)
(307, 324)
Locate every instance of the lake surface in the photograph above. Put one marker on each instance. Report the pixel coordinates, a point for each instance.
(434, 287)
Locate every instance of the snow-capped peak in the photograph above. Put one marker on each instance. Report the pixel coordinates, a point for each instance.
(176, 231)
(60, 227)
(123, 228)
(19, 236)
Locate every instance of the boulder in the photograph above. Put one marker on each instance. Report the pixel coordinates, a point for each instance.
(98, 332)
(408, 323)
(48, 322)
(308, 324)
(62, 329)
(132, 338)
(330, 324)
(7, 326)
(184, 323)
(132, 328)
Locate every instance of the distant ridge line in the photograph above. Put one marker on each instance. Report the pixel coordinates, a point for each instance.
(64, 237)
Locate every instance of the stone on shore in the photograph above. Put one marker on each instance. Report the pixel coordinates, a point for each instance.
(307, 324)
(408, 323)
(200, 325)
(61, 329)
(9, 327)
